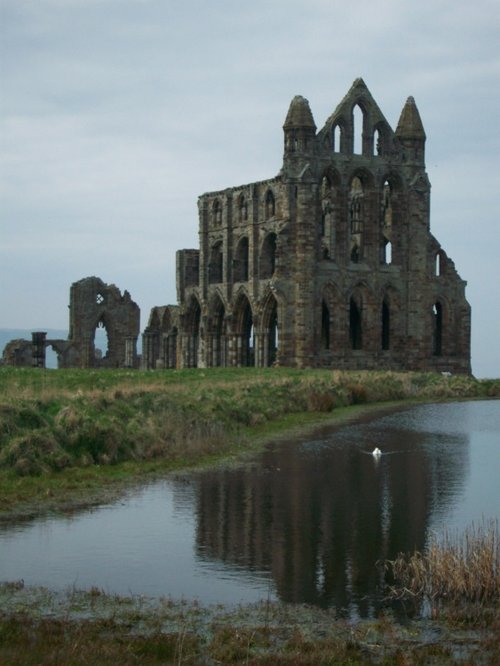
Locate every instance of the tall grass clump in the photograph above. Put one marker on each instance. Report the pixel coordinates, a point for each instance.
(457, 574)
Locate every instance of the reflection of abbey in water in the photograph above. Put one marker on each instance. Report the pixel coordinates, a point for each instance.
(329, 264)
(319, 520)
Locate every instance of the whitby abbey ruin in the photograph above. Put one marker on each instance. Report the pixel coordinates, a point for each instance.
(331, 263)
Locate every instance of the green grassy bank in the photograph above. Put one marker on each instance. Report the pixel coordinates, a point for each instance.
(70, 435)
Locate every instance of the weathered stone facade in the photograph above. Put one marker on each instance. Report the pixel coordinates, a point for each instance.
(329, 264)
(93, 304)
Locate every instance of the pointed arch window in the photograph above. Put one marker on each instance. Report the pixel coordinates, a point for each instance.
(242, 209)
(357, 130)
(337, 138)
(386, 326)
(356, 219)
(326, 185)
(326, 228)
(386, 225)
(356, 206)
(240, 272)
(215, 265)
(217, 212)
(268, 257)
(355, 253)
(325, 326)
(439, 264)
(270, 206)
(386, 252)
(323, 220)
(437, 337)
(355, 330)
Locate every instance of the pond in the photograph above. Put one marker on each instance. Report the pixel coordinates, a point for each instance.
(307, 521)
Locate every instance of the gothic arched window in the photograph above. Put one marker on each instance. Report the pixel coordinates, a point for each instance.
(217, 212)
(270, 207)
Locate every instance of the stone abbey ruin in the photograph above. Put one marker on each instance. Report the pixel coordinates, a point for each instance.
(331, 263)
(93, 304)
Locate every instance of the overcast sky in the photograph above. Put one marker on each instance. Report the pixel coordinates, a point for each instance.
(117, 114)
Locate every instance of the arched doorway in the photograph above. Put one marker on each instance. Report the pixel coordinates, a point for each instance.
(217, 343)
(101, 342)
(244, 333)
(269, 334)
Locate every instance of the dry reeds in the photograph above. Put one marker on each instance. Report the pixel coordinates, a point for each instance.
(454, 570)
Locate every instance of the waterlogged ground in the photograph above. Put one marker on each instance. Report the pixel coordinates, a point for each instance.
(94, 628)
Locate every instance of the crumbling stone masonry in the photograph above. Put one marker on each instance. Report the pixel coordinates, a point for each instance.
(329, 264)
(93, 304)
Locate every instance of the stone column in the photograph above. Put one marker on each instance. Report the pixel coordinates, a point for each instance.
(148, 350)
(38, 349)
(129, 361)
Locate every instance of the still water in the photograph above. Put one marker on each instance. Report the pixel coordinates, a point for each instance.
(306, 522)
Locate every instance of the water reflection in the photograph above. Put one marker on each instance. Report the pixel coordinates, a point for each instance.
(318, 515)
(305, 523)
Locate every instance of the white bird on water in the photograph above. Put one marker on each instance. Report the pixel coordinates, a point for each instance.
(376, 453)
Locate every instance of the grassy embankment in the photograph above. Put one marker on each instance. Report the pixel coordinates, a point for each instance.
(72, 433)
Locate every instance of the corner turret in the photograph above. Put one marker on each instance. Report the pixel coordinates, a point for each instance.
(410, 132)
(299, 128)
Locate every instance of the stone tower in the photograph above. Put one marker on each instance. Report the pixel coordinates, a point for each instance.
(329, 264)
